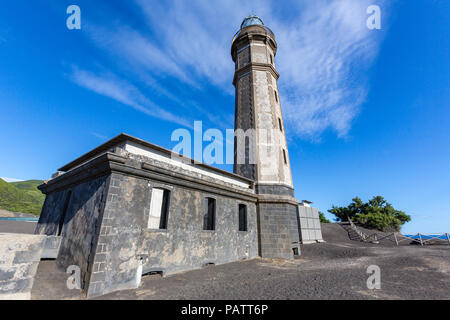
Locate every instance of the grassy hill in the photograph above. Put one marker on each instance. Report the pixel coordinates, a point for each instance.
(21, 196)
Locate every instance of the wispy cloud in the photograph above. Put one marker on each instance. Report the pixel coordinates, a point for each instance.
(325, 50)
(111, 86)
(197, 34)
(138, 51)
(323, 58)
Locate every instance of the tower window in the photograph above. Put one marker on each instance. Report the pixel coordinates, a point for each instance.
(209, 219)
(271, 59)
(279, 123)
(159, 209)
(284, 156)
(276, 96)
(242, 217)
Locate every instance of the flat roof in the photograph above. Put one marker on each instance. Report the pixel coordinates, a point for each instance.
(123, 137)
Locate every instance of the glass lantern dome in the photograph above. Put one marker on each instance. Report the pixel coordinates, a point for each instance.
(251, 21)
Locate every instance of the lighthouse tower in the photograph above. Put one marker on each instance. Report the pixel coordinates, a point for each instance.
(261, 150)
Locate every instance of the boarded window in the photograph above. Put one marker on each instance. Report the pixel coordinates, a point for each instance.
(159, 209)
(64, 212)
(242, 217)
(209, 219)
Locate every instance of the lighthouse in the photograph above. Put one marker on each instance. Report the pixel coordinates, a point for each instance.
(261, 152)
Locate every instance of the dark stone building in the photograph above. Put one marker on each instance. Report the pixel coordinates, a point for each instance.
(130, 207)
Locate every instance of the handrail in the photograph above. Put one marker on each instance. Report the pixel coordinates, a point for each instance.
(364, 237)
(269, 31)
(419, 237)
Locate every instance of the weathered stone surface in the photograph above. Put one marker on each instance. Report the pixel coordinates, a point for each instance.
(19, 258)
(51, 247)
(7, 273)
(275, 189)
(279, 232)
(32, 254)
(105, 228)
(125, 240)
(80, 225)
(258, 107)
(16, 286)
(245, 120)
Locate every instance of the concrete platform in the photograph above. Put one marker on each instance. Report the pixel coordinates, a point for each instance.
(23, 227)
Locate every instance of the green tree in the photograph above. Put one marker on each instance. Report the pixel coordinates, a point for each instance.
(377, 213)
(322, 218)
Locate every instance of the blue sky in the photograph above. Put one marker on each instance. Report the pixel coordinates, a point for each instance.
(366, 111)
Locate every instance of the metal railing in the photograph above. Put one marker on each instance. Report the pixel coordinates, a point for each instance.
(422, 238)
(269, 31)
(397, 237)
(373, 237)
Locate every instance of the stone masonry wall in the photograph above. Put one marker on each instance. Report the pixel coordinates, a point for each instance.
(19, 258)
(278, 230)
(127, 248)
(244, 119)
(81, 223)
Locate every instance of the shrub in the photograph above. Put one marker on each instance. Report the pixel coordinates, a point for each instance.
(377, 213)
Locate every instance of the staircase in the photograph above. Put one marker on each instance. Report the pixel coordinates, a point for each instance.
(352, 234)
